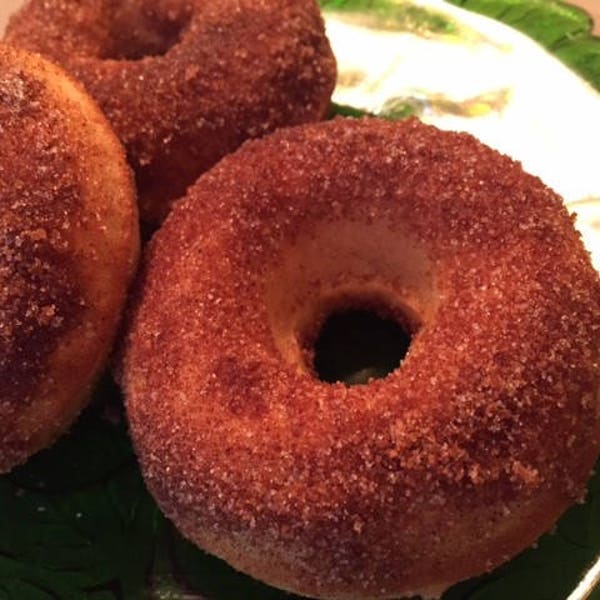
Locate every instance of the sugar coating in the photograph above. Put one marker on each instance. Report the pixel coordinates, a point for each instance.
(450, 465)
(68, 244)
(185, 82)
(39, 199)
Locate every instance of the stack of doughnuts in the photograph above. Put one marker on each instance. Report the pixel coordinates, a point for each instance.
(452, 463)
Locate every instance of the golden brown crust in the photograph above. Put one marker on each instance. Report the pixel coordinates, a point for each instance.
(214, 74)
(458, 459)
(63, 274)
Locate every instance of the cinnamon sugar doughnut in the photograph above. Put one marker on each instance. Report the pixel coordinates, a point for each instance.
(69, 243)
(450, 465)
(184, 82)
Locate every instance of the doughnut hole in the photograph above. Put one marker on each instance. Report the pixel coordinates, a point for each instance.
(137, 32)
(358, 344)
(363, 289)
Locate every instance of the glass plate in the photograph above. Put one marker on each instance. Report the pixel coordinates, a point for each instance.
(77, 522)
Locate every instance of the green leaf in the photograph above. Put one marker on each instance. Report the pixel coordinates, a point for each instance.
(546, 21)
(394, 15)
(77, 521)
(583, 56)
(347, 111)
(563, 29)
(76, 540)
(96, 447)
(21, 590)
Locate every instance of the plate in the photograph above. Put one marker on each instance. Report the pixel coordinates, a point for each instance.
(77, 521)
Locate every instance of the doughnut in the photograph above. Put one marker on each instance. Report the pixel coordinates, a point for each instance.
(69, 245)
(185, 82)
(449, 465)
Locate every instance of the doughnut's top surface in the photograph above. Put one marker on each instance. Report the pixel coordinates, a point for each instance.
(455, 461)
(68, 244)
(184, 82)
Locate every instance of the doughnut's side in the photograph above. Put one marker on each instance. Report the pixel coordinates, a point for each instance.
(75, 227)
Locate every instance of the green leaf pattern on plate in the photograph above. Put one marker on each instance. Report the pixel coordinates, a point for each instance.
(564, 30)
(395, 15)
(78, 523)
